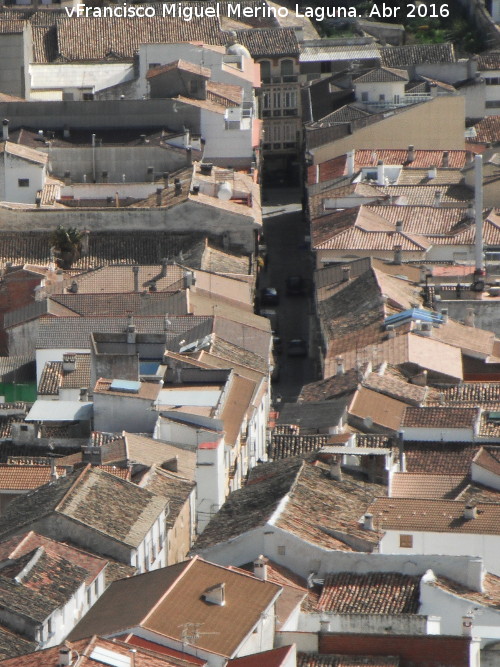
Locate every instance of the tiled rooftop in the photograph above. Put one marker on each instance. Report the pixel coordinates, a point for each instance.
(490, 597)
(382, 75)
(336, 385)
(487, 131)
(425, 485)
(284, 446)
(384, 412)
(395, 388)
(54, 377)
(441, 516)
(12, 645)
(316, 505)
(447, 417)
(371, 593)
(58, 332)
(337, 660)
(104, 247)
(25, 477)
(411, 54)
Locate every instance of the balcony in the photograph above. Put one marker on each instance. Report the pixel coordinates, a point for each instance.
(403, 101)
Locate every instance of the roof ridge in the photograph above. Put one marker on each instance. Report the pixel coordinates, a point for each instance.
(188, 565)
(77, 481)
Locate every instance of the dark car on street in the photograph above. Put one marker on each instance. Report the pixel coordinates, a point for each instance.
(297, 347)
(269, 296)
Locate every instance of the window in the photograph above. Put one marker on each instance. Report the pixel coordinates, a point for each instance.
(96, 587)
(326, 68)
(23, 182)
(89, 596)
(290, 99)
(286, 68)
(492, 81)
(265, 71)
(364, 97)
(277, 99)
(153, 65)
(24, 427)
(281, 550)
(406, 541)
(88, 96)
(492, 104)
(381, 97)
(193, 87)
(396, 99)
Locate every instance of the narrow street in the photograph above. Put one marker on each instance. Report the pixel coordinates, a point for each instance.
(288, 255)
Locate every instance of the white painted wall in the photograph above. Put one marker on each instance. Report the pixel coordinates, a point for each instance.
(486, 547)
(210, 482)
(374, 90)
(14, 168)
(485, 477)
(77, 77)
(452, 608)
(439, 435)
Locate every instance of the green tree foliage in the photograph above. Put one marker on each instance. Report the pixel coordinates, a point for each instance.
(67, 245)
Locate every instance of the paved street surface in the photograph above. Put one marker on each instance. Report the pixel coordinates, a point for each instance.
(284, 231)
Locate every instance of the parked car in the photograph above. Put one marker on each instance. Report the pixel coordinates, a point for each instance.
(295, 286)
(277, 345)
(272, 316)
(297, 347)
(269, 296)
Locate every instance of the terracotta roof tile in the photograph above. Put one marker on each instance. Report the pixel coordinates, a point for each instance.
(383, 411)
(407, 55)
(371, 593)
(180, 64)
(422, 158)
(270, 42)
(442, 516)
(487, 131)
(337, 660)
(425, 485)
(443, 417)
(284, 446)
(311, 496)
(25, 477)
(391, 386)
(489, 60)
(490, 597)
(54, 378)
(382, 74)
(336, 385)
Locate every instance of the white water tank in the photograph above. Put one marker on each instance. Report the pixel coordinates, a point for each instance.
(225, 191)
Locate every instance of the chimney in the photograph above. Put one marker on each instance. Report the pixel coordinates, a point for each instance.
(38, 202)
(216, 594)
(164, 265)
(187, 138)
(65, 657)
(368, 521)
(335, 471)
(189, 279)
(399, 226)
(189, 157)
(432, 173)
(142, 137)
(166, 176)
(73, 288)
(85, 242)
(260, 567)
(467, 621)
(66, 132)
(390, 331)
(340, 365)
(158, 196)
(69, 363)
(104, 176)
(5, 129)
(444, 314)
(350, 163)
(470, 318)
(178, 186)
(446, 159)
(469, 158)
(84, 394)
(53, 470)
(437, 198)
(346, 273)
(150, 174)
(470, 512)
(131, 335)
(410, 157)
(380, 173)
(67, 178)
(135, 271)
(401, 449)
(398, 254)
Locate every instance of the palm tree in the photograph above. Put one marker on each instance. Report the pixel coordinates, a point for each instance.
(67, 245)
